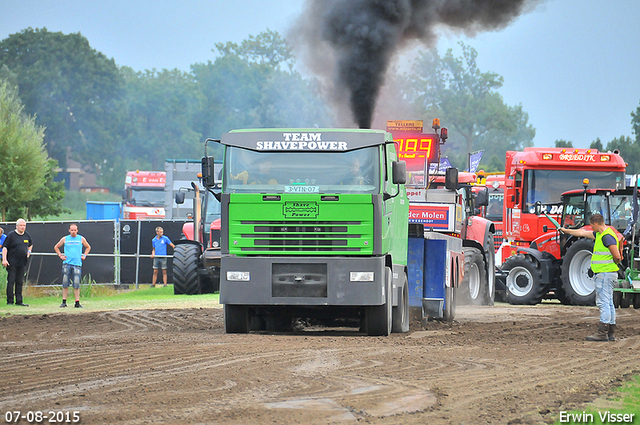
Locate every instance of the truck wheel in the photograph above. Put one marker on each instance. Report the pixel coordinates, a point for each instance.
(236, 319)
(474, 283)
(617, 295)
(378, 318)
(626, 300)
(579, 288)
(490, 265)
(185, 269)
(524, 281)
(400, 313)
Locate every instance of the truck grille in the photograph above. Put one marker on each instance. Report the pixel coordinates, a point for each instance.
(301, 236)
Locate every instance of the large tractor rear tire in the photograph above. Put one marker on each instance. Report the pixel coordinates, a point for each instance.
(400, 313)
(378, 319)
(185, 269)
(578, 287)
(524, 281)
(474, 283)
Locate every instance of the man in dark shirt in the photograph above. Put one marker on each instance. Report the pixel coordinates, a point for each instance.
(16, 250)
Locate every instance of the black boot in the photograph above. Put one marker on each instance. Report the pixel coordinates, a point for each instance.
(612, 331)
(602, 335)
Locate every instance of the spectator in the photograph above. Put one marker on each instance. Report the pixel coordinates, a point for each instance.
(72, 262)
(16, 251)
(160, 243)
(2, 237)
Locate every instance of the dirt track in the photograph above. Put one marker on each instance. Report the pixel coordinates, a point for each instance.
(493, 365)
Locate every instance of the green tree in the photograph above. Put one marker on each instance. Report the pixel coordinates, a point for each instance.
(563, 144)
(597, 144)
(468, 103)
(48, 199)
(629, 147)
(22, 154)
(254, 84)
(72, 89)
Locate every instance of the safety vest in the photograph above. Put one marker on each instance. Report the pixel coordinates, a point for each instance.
(602, 259)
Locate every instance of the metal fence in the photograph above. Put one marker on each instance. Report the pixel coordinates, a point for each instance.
(120, 250)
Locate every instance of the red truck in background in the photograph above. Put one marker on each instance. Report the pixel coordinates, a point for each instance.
(143, 195)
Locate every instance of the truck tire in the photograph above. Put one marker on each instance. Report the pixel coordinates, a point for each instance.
(400, 313)
(185, 269)
(524, 281)
(236, 319)
(579, 288)
(490, 265)
(474, 283)
(626, 299)
(378, 318)
(617, 295)
(636, 301)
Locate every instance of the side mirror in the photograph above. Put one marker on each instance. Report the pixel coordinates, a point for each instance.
(124, 194)
(545, 229)
(180, 198)
(208, 172)
(451, 179)
(399, 171)
(482, 198)
(538, 208)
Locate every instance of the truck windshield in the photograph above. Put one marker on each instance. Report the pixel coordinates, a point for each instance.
(494, 209)
(147, 197)
(547, 186)
(356, 171)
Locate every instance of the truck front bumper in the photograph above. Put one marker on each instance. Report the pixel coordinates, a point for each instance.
(302, 281)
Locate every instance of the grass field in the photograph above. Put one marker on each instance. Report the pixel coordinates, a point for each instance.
(103, 298)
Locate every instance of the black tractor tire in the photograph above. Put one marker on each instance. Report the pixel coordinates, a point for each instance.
(185, 269)
(400, 313)
(636, 301)
(524, 281)
(626, 299)
(378, 319)
(617, 295)
(474, 284)
(490, 266)
(578, 287)
(236, 319)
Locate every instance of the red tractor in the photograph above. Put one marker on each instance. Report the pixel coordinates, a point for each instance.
(559, 264)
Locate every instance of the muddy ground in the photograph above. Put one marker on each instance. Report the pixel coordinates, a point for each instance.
(498, 364)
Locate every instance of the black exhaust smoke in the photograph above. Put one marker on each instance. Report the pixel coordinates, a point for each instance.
(349, 43)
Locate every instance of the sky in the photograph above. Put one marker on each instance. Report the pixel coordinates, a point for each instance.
(574, 65)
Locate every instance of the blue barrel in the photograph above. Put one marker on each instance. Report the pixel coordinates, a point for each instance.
(103, 210)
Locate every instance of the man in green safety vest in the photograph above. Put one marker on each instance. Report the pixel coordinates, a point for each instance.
(604, 263)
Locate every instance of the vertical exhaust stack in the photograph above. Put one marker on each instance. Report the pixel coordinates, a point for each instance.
(350, 43)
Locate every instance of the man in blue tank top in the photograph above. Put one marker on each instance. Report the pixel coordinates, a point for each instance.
(72, 262)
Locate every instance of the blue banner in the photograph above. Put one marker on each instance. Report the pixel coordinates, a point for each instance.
(474, 161)
(444, 164)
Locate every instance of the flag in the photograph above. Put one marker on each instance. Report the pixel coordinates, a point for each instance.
(474, 161)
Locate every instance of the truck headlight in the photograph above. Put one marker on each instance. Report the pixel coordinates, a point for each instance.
(361, 276)
(239, 276)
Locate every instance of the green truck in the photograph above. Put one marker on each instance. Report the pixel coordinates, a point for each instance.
(314, 227)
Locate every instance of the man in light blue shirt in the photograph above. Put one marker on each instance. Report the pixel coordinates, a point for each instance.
(72, 262)
(160, 243)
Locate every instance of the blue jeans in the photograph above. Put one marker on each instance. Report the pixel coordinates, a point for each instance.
(604, 296)
(71, 276)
